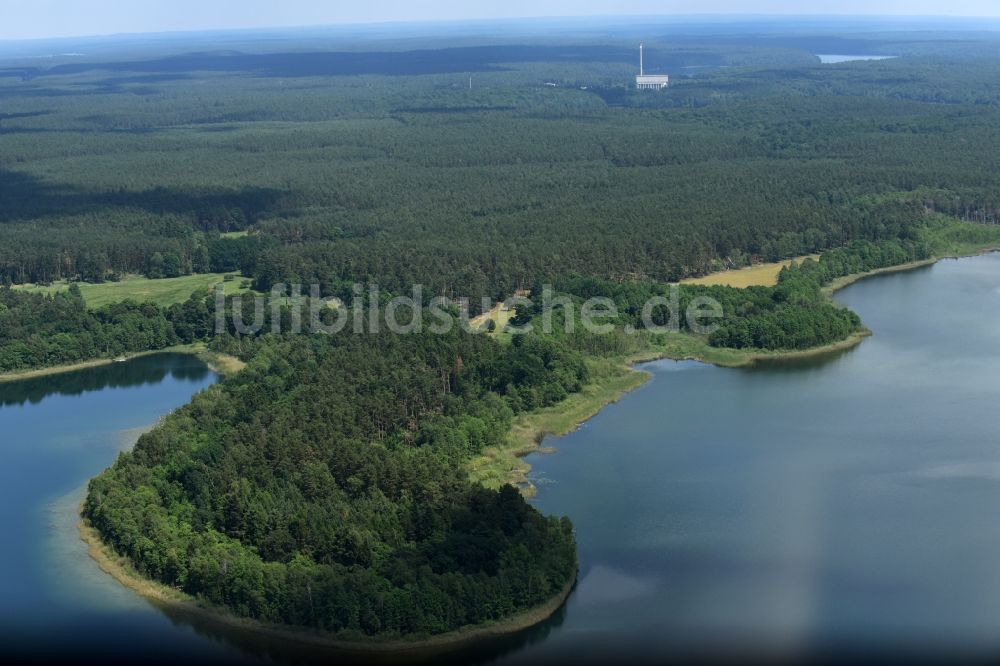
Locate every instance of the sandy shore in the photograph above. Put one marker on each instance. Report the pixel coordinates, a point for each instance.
(121, 570)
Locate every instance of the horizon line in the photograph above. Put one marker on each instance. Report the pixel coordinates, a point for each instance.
(521, 19)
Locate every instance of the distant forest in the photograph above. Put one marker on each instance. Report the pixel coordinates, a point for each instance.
(343, 170)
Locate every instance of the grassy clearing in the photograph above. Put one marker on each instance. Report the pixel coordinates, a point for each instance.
(761, 275)
(163, 292)
(685, 346)
(222, 364)
(500, 315)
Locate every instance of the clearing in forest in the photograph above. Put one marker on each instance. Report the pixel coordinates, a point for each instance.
(760, 275)
(163, 292)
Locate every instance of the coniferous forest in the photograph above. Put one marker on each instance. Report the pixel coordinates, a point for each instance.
(326, 486)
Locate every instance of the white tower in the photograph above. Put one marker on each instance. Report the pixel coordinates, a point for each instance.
(650, 81)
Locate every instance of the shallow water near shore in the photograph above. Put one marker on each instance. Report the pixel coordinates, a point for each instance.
(57, 432)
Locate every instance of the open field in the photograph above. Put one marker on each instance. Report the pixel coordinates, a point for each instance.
(163, 292)
(761, 275)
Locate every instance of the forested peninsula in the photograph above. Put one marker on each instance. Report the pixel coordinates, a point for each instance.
(348, 468)
(355, 487)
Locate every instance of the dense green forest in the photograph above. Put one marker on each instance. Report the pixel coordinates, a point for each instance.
(137, 167)
(39, 331)
(795, 314)
(326, 485)
(45, 330)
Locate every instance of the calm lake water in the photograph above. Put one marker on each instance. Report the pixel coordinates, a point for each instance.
(836, 59)
(56, 433)
(852, 502)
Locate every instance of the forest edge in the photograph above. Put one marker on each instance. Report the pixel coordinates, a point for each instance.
(527, 434)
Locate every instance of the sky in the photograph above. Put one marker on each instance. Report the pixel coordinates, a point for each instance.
(33, 19)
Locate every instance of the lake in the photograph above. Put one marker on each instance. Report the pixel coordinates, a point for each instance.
(57, 433)
(793, 508)
(836, 59)
(784, 510)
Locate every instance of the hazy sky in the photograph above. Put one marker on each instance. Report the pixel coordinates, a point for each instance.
(26, 19)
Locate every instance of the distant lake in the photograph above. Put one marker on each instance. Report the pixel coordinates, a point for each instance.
(849, 502)
(835, 59)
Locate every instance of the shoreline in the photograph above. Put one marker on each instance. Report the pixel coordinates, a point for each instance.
(847, 280)
(526, 437)
(749, 358)
(527, 443)
(216, 362)
(497, 466)
(156, 593)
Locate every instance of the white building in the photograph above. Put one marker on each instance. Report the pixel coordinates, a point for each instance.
(650, 81)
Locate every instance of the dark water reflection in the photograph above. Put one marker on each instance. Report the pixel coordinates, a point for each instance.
(271, 649)
(142, 371)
